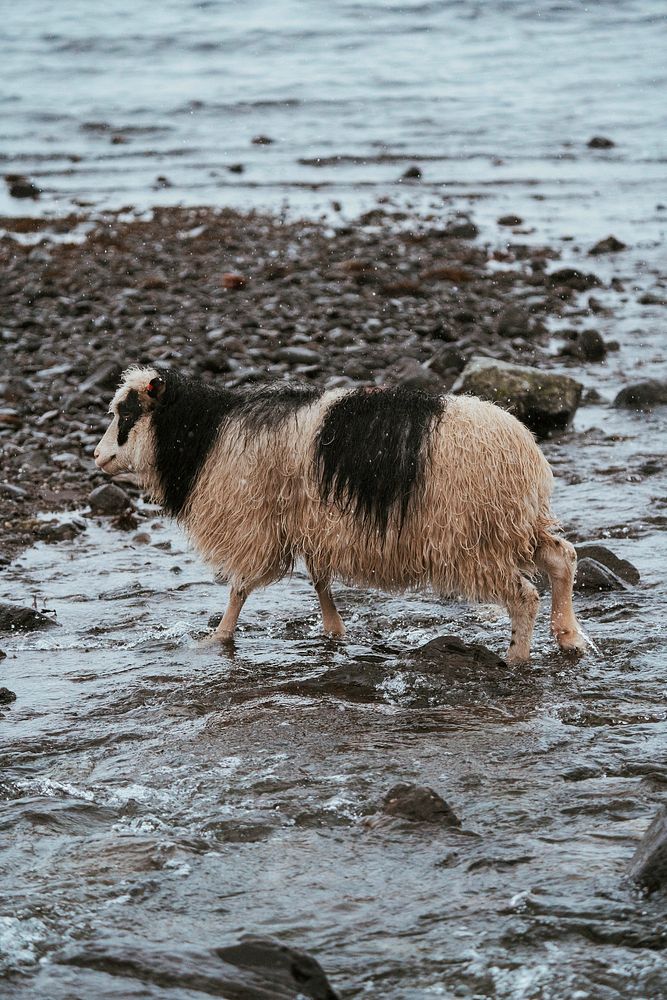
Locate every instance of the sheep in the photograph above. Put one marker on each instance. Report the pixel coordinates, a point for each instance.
(381, 487)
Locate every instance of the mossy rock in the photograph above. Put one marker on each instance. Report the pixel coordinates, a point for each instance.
(545, 402)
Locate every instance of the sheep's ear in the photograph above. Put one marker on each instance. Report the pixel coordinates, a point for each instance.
(155, 388)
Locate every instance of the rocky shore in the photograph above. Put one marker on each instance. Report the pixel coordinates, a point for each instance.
(243, 297)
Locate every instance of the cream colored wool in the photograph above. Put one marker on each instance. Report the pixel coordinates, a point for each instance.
(477, 529)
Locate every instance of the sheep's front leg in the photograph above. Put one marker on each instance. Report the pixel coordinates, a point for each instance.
(331, 620)
(227, 626)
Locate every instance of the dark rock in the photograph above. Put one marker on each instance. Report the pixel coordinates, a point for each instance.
(609, 245)
(412, 174)
(463, 230)
(591, 397)
(514, 322)
(449, 359)
(543, 401)
(412, 375)
(14, 618)
(261, 140)
(3, 655)
(108, 499)
(451, 652)
(600, 142)
(281, 963)
(107, 376)
(162, 182)
(570, 277)
(589, 345)
(419, 804)
(601, 554)
(651, 299)
(6, 696)
(642, 396)
(510, 220)
(592, 575)
(20, 187)
(236, 168)
(648, 866)
(254, 969)
(64, 531)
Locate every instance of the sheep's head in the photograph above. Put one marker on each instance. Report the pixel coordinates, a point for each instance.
(128, 444)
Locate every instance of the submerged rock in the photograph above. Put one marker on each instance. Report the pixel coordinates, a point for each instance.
(282, 964)
(419, 804)
(543, 401)
(14, 618)
(642, 396)
(256, 968)
(6, 696)
(451, 652)
(600, 142)
(648, 866)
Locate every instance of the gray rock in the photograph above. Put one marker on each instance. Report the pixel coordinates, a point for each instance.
(419, 804)
(463, 230)
(6, 696)
(543, 401)
(14, 618)
(592, 575)
(642, 396)
(108, 499)
(288, 966)
(514, 322)
(605, 557)
(12, 491)
(510, 220)
(648, 866)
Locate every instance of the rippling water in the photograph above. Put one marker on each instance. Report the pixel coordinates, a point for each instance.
(159, 799)
(492, 99)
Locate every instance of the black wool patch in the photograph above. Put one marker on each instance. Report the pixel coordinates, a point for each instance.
(371, 450)
(190, 415)
(129, 411)
(186, 420)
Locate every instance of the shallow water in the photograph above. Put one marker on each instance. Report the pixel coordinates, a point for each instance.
(496, 101)
(161, 798)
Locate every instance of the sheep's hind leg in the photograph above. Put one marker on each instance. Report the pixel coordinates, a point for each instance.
(225, 630)
(522, 603)
(331, 620)
(558, 559)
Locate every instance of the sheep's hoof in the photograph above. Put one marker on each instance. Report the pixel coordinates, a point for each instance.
(217, 637)
(514, 659)
(572, 641)
(335, 632)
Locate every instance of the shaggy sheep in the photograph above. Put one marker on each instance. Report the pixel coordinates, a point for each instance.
(381, 487)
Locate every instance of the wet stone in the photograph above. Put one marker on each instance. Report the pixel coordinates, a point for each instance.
(6, 696)
(600, 142)
(570, 277)
(108, 499)
(642, 396)
(543, 401)
(622, 568)
(648, 866)
(592, 575)
(419, 805)
(608, 245)
(63, 532)
(281, 963)
(510, 220)
(14, 618)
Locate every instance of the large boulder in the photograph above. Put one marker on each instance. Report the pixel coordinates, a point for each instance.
(543, 401)
(605, 557)
(648, 866)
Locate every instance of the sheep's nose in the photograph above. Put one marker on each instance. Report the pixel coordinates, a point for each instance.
(96, 453)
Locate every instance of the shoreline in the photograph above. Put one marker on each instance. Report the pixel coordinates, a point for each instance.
(390, 298)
